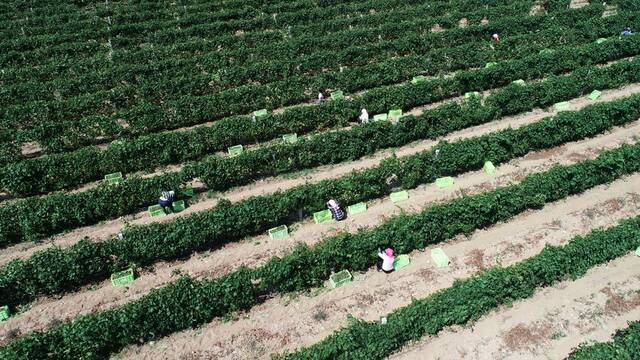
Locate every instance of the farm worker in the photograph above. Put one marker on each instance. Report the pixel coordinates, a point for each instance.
(495, 38)
(336, 210)
(627, 31)
(393, 181)
(320, 97)
(166, 200)
(364, 116)
(385, 263)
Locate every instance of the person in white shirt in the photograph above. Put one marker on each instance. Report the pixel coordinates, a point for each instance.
(495, 38)
(364, 116)
(385, 263)
(320, 97)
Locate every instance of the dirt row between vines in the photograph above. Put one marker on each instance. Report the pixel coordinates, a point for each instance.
(283, 182)
(287, 322)
(548, 325)
(256, 250)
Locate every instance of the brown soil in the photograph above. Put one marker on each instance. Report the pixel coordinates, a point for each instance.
(30, 148)
(475, 258)
(548, 325)
(437, 28)
(524, 336)
(576, 4)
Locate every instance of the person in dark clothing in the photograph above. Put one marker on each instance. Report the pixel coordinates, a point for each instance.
(166, 201)
(336, 210)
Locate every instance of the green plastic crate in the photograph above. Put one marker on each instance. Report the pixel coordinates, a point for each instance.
(188, 191)
(290, 138)
(395, 113)
(340, 278)
(399, 196)
(490, 64)
(638, 251)
(4, 313)
(489, 168)
(439, 257)
(279, 232)
(122, 277)
(178, 206)
(114, 178)
(156, 210)
(380, 117)
(444, 182)
(601, 40)
(519, 82)
(337, 95)
(235, 150)
(401, 261)
(322, 216)
(471, 94)
(418, 79)
(357, 208)
(561, 106)
(260, 113)
(594, 95)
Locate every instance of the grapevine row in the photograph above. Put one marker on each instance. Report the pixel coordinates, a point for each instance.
(46, 272)
(187, 303)
(128, 33)
(284, 92)
(38, 217)
(232, 45)
(57, 171)
(261, 72)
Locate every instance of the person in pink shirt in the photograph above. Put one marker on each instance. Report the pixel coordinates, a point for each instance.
(385, 263)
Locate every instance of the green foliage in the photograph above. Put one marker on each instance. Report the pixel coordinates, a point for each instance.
(46, 273)
(35, 176)
(83, 118)
(25, 221)
(188, 303)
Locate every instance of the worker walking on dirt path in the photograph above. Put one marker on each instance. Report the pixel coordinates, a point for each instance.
(385, 261)
(166, 200)
(335, 209)
(364, 116)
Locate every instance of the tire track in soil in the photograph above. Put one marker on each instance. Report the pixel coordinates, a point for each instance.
(286, 322)
(257, 250)
(110, 228)
(549, 324)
